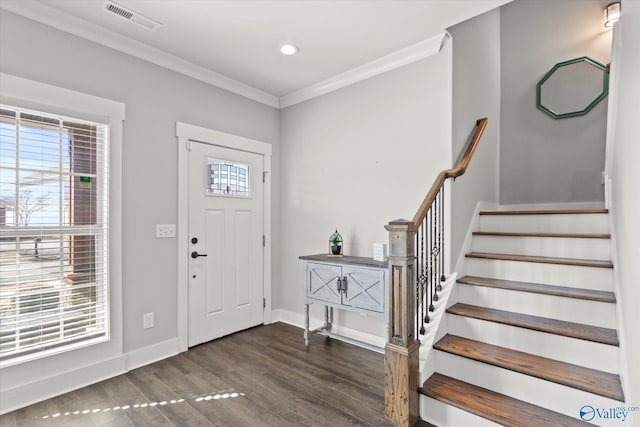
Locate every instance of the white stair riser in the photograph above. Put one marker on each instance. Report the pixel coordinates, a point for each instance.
(444, 415)
(427, 362)
(551, 223)
(561, 308)
(594, 278)
(556, 397)
(598, 356)
(544, 246)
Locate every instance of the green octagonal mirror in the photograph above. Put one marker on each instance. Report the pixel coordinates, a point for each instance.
(572, 88)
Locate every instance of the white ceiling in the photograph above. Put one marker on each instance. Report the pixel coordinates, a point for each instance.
(239, 40)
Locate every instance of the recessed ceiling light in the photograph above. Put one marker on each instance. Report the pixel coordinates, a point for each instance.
(288, 49)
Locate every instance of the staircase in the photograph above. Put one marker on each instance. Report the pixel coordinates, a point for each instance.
(531, 340)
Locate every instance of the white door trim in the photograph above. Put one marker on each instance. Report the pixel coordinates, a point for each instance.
(185, 133)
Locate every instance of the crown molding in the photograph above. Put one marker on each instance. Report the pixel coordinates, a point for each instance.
(400, 58)
(52, 17)
(47, 15)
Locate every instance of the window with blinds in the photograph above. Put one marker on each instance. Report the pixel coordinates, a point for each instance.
(53, 234)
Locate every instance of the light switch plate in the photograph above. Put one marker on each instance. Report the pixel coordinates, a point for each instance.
(165, 231)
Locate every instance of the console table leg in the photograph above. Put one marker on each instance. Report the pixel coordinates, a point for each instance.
(387, 335)
(327, 321)
(306, 325)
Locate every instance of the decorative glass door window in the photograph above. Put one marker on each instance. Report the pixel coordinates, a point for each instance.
(226, 178)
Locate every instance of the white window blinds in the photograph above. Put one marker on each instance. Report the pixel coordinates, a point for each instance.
(53, 233)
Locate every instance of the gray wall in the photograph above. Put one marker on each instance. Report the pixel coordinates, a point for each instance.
(155, 99)
(356, 159)
(476, 94)
(543, 160)
(625, 202)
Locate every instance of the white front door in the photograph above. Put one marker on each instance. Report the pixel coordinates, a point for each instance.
(226, 215)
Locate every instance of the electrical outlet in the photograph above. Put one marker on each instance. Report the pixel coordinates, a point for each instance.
(165, 231)
(148, 320)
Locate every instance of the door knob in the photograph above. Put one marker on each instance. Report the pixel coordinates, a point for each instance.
(195, 254)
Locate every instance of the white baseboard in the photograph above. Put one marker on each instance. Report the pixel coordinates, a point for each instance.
(297, 319)
(45, 388)
(153, 353)
(468, 239)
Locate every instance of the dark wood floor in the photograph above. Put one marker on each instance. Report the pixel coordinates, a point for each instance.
(260, 377)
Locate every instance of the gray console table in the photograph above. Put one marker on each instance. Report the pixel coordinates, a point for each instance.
(350, 283)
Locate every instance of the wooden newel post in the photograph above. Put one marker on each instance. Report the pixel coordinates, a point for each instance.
(401, 354)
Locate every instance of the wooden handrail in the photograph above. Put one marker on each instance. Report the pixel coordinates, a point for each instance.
(416, 275)
(454, 172)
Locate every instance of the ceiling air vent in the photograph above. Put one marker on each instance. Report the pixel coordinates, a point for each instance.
(130, 15)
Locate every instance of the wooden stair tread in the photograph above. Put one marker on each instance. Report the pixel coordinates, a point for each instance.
(578, 377)
(542, 259)
(493, 406)
(552, 235)
(545, 212)
(539, 288)
(542, 324)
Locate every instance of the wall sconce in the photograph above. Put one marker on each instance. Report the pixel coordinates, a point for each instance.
(611, 14)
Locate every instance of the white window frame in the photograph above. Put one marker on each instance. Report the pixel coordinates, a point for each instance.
(97, 231)
(34, 380)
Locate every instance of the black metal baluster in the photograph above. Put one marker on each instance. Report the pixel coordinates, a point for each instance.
(430, 241)
(441, 238)
(418, 308)
(434, 249)
(427, 279)
(421, 276)
(425, 272)
(436, 246)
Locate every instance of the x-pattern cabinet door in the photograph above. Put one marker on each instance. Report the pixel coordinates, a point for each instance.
(364, 288)
(323, 282)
